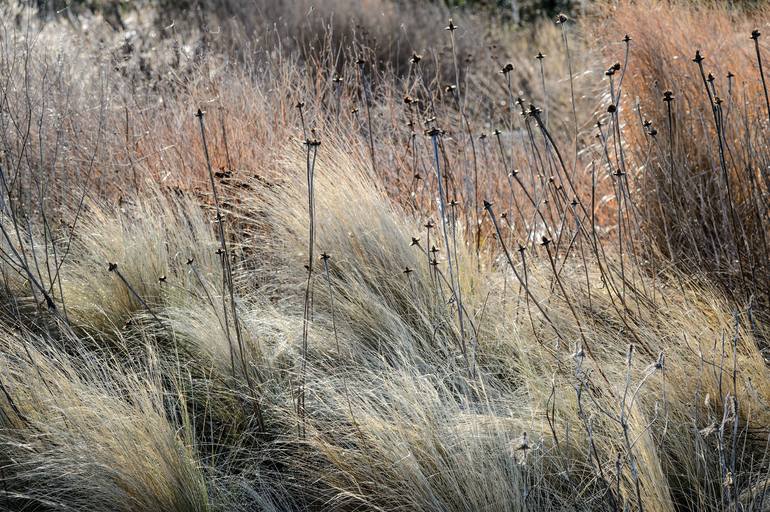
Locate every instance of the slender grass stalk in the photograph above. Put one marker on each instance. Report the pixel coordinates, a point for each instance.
(755, 37)
(434, 133)
(227, 269)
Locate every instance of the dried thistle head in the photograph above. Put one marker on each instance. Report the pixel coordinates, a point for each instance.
(451, 27)
(561, 18)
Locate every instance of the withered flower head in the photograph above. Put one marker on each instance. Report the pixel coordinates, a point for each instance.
(698, 57)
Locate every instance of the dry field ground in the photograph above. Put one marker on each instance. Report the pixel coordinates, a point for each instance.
(384, 255)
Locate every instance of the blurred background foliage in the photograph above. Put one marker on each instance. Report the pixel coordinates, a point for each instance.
(521, 11)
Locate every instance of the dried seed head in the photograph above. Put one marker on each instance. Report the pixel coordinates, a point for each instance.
(354, 110)
(698, 57)
(433, 132)
(190, 261)
(612, 109)
(755, 34)
(545, 241)
(199, 113)
(430, 224)
(408, 270)
(487, 205)
(450, 88)
(300, 105)
(668, 96)
(337, 79)
(415, 241)
(533, 111)
(616, 66)
(434, 250)
(324, 256)
(540, 56)
(730, 75)
(416, 58)
(112, 267)
(454, 203)
(497, 132)
(506, 69)
(561, 18)
(523, 443)
(451, 27)
(710, 78)
(660, 362)
(482, 136)
(162, 279)
(626, 38)
(220, 252)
